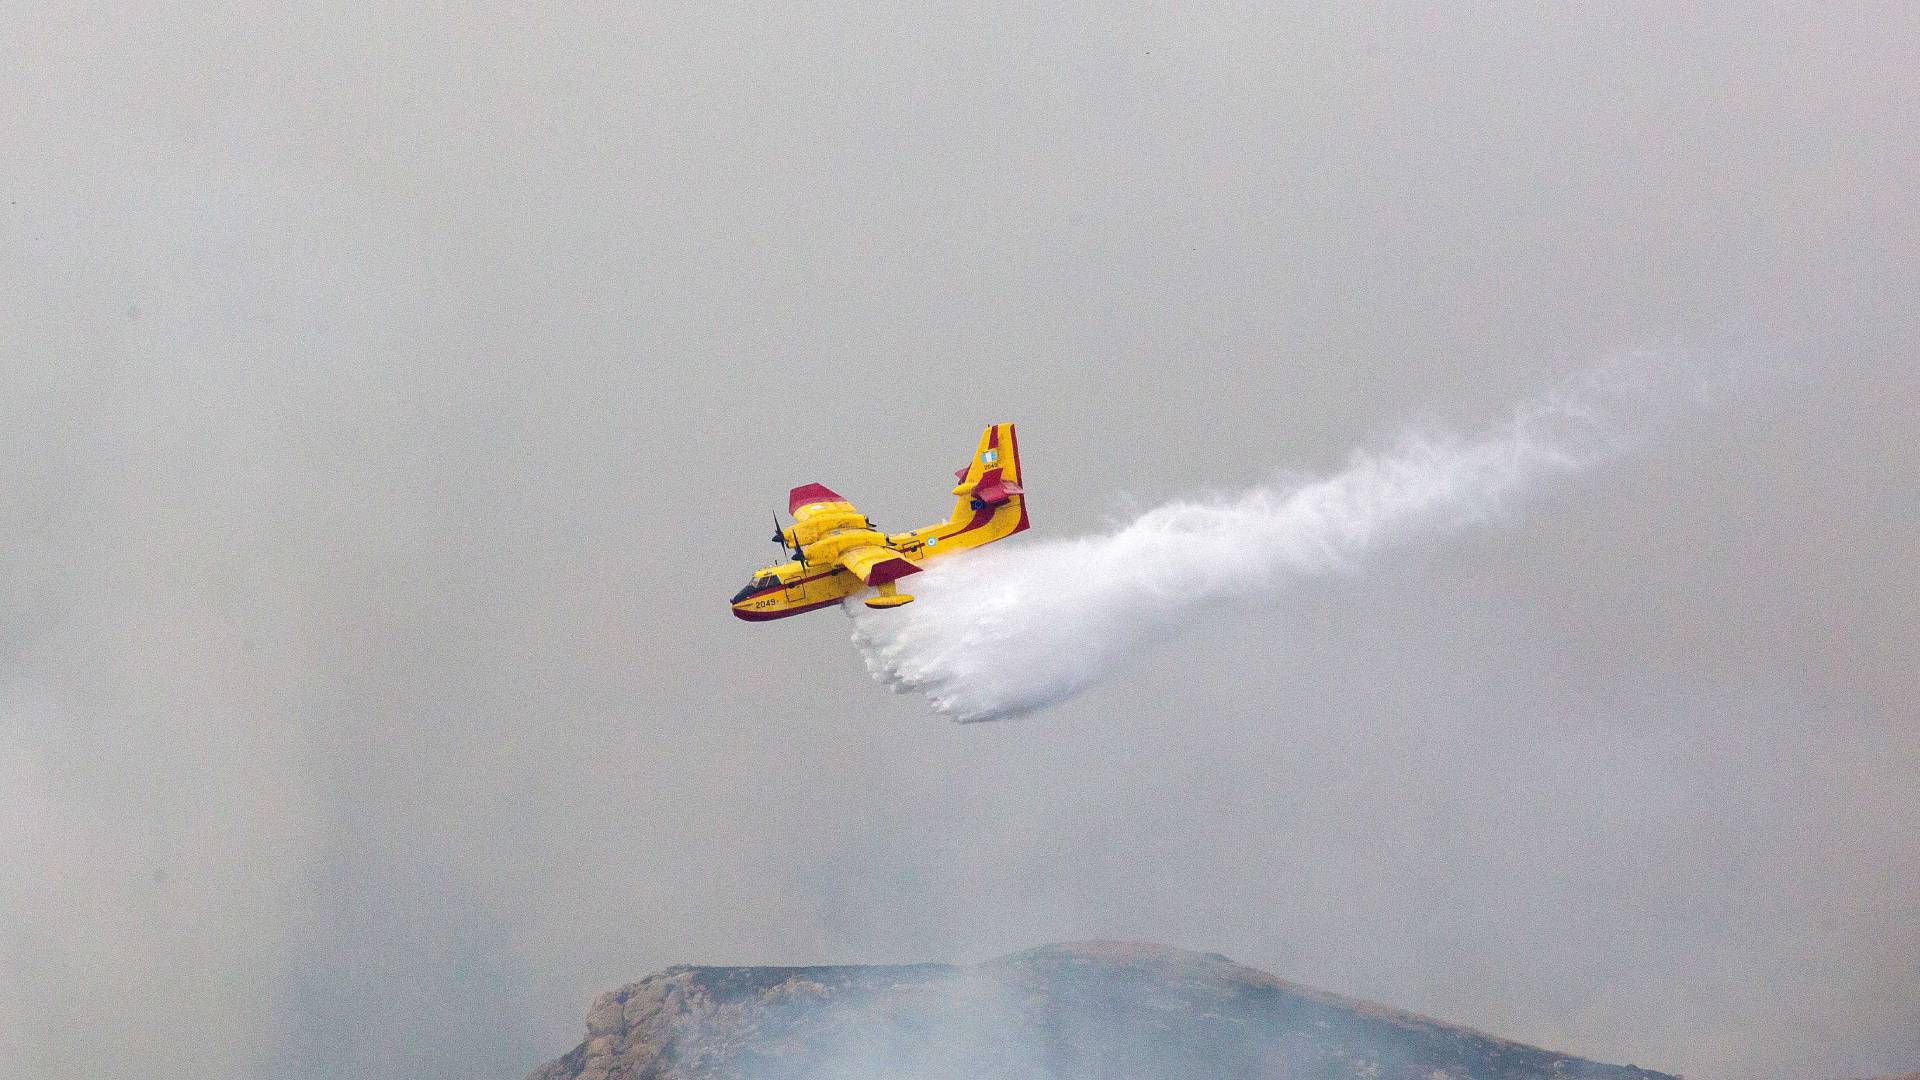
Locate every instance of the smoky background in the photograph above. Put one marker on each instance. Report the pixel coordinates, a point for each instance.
(392, 397)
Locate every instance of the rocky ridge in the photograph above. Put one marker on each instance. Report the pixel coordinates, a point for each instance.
(1106, 1010)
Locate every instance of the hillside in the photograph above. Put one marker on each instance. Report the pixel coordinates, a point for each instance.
(1103, 1010)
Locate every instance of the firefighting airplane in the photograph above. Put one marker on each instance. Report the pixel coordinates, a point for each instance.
(837, 551)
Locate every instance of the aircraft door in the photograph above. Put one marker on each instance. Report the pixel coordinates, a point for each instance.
(797, 590)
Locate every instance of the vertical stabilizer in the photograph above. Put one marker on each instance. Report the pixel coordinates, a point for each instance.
(989, 502)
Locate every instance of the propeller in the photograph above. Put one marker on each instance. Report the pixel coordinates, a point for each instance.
(780, 537)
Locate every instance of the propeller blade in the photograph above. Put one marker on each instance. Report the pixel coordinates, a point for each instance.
(780, 537)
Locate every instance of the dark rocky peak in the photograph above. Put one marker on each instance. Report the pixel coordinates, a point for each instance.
(1105, 1010)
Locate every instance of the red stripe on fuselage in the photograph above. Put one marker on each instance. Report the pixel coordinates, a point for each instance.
(781, 613)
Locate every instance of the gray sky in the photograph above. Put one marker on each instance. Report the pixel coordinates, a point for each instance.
(391, 399)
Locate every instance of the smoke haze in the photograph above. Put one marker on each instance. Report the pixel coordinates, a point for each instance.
(391, 396)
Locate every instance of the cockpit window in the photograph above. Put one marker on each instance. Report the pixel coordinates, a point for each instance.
(763, 581)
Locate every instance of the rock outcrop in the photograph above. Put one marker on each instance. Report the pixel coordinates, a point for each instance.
(1102, 1010)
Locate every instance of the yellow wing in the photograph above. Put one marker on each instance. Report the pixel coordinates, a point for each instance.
(818, 511)
(815, 496)
(875, 565)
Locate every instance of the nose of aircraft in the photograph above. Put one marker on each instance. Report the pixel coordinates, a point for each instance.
(755, 604)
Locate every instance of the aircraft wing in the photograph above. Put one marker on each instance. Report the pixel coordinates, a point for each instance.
(876, 565)
(814, 495)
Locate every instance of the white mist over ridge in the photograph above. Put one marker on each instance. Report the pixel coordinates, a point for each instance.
(1020, 626)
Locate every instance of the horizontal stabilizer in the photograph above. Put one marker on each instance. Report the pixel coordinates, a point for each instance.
(996, 491)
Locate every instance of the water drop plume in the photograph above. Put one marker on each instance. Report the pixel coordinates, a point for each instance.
(1025, 624)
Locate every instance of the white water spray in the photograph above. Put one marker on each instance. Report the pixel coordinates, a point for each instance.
(1017, 627)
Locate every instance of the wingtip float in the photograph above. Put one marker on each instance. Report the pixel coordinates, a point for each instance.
(835, 551)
